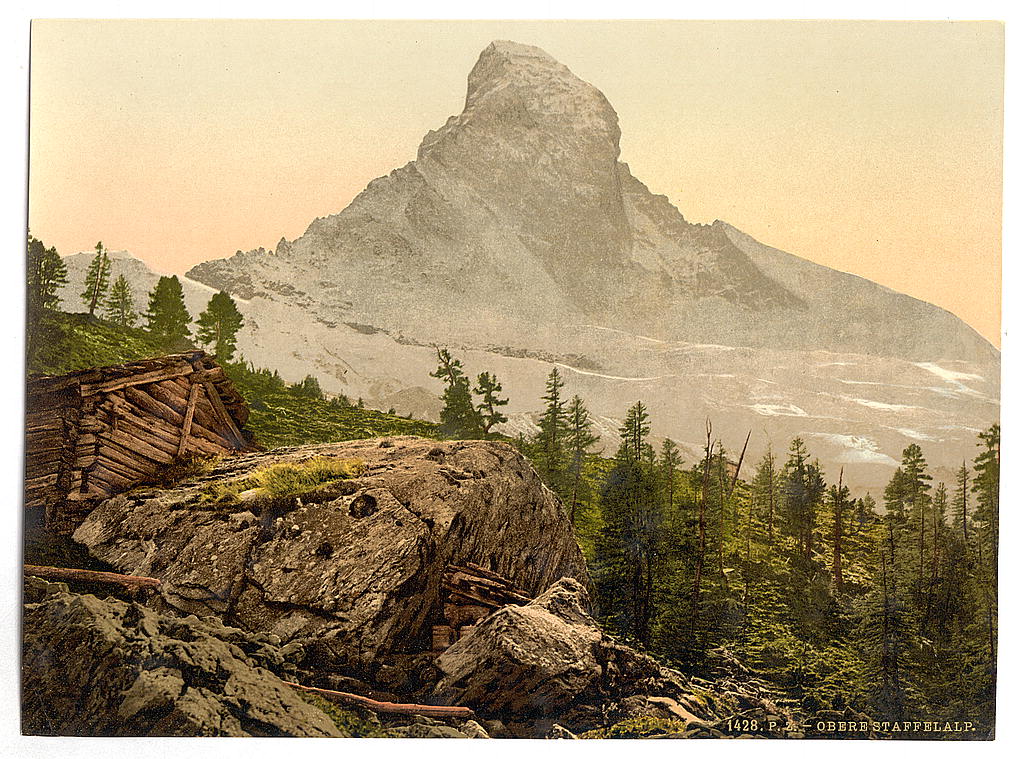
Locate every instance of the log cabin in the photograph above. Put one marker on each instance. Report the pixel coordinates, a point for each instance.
(97, 432)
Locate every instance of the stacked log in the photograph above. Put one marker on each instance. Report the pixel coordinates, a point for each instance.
(470, 593)
(98, 432)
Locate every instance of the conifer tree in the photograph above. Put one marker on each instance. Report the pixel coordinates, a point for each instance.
(120, 305)
(97, 279)
(45, 275)
(488, 387)
(167, 318)
(218, 326)
(459, 418)
(839, 499)
(628, 542)
(551, 438)
(963, 480)
(308, 388)
(669, 461)
(766, 493)
(579, 440)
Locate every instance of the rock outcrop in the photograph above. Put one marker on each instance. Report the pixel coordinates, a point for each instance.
(95, 667)
(351, 568)
(549, 660)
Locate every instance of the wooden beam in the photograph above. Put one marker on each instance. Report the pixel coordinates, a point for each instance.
(218, 406)
(386, 707)
(86, 575)
(190, 410)
(138, 379)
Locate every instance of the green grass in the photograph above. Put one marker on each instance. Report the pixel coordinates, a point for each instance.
(278, 417)
(280, 483)
(69, 342)
(638, 727)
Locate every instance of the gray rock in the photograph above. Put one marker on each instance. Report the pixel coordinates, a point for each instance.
(95, 667)
(550, 659)
(354, 568)
(417, 730)
(560, 733)
(473, 729)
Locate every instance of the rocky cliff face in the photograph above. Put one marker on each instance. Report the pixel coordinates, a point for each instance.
(352, 567)
(103, 667)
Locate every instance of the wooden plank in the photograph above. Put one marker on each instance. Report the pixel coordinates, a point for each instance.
(86, 575)
(186, 427)
(130, 443)
(386, 707)
(222, 412)
(442, 636)
(132, 380)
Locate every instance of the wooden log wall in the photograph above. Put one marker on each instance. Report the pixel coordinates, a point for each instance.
(96, 433)
(470, 593)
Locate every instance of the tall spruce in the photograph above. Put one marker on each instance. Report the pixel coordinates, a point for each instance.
(119, 306)
(580, 438)
(628, 544)
(97, 279)
(218, 326)
(550, 440)
(45, 275)
(167, 318)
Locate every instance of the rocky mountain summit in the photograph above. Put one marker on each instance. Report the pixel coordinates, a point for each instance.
(518, 211)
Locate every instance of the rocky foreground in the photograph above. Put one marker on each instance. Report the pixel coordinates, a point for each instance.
(322, 566)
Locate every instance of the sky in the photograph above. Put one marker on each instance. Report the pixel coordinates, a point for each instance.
(870, 147)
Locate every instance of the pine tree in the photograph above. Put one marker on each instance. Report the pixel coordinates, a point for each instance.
(45, 275)
(634, 431)
(97, 279)
(459, 418)
(551, 438)
(803, 490)
(488, 387)
(916, 483)
(669, 461)
(766, 493)
(628, 551)
(308, 388)
(963, 480)
(167, 318)
(218, 326)
(579, 440)
(120, 305)
(839, 499)
(986, 517)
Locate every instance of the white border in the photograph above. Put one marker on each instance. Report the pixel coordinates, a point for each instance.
(14, 49)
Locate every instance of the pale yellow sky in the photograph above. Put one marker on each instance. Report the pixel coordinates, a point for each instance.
(875, 148)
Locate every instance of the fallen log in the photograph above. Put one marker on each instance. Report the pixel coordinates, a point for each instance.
(387, 707)
(88, 575)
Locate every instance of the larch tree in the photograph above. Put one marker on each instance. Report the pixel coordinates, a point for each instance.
(45, 275)
(97, 279)
(459, 417)
(218, 326)
(119, 306)
(488, 388)
(580, 438)
(550, 440)
(167, 318)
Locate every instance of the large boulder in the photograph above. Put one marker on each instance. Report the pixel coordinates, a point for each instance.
(95, 666)
(550, 660)
(352, 567)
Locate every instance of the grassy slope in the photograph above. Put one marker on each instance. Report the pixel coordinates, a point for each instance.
(68, 342)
